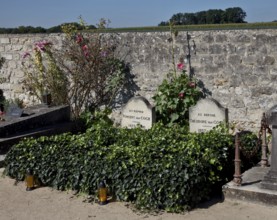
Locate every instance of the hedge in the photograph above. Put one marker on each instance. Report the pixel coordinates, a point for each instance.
(160, 168)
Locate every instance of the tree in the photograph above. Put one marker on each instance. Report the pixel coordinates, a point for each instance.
(212, 16)
(177, 19)
(201, 17)
(163, 23)
(189, 18)
(235, 15)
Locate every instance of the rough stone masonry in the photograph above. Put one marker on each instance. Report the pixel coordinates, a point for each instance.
(238, 68)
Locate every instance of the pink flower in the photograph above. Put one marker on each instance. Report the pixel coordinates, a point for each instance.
(79, 38)
(180, 66)
(86, 53)
(26, 54)
(85, 47)
(40, 46)
(181, 95)
(191, 84)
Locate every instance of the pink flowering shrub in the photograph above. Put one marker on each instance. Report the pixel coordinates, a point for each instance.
(174, 97)
(85, 73)
(176, 94)
(42, 74)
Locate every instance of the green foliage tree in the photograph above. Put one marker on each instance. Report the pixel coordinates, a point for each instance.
(215, 16)
(234, 15)
(212, 16)
(201, 17)
(30, 29)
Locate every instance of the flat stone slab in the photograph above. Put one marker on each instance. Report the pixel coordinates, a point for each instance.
(251, 189)
(34, 117)
(36, 121)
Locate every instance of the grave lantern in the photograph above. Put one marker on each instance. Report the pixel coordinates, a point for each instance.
(29, 180)
(102, 193)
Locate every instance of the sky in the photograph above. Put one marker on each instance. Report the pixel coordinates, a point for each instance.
(121, 13)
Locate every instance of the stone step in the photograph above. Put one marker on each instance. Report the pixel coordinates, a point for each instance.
(251, 189)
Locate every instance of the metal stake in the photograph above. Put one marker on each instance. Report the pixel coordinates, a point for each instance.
(237, 176)
(264, 161)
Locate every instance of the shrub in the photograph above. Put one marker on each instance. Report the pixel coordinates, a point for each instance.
(177, 92)
(161, 168)
(250, 149)
(84, 73)
(173, 99)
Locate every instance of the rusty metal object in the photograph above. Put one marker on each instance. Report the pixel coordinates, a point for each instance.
(264, 128)
(237, 176)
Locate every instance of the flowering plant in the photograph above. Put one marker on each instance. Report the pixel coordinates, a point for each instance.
(84, 73)
(42, 74)
(176, 94)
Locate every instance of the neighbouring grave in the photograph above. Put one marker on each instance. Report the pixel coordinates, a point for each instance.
(270, 179)
(206, 114)
(138, 111)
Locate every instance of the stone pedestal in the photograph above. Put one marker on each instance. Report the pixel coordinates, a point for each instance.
(270, 179)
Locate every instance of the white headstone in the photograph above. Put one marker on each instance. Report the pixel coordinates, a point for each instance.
(205, 115)
(138, 111)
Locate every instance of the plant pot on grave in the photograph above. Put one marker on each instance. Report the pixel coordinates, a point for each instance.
(47, 99)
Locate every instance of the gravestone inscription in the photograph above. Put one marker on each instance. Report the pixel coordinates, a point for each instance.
(138, 111)
(206, 114)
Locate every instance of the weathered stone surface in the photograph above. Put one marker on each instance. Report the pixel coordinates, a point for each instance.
(235, 60)
(243, 39)
(270, 179)
(242, 62)
(4, 40)
(215, 49)
(257, 91)
(220, 38)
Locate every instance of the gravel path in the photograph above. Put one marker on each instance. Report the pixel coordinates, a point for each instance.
(48, 204)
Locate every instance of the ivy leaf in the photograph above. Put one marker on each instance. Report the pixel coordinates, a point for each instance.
(174, 116)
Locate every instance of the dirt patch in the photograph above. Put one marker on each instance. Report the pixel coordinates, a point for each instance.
(48, 204)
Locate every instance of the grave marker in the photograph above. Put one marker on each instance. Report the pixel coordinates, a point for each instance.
(206, 114)
(270, 179)
(138, 111)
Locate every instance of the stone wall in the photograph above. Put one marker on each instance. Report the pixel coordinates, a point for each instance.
(238, 68)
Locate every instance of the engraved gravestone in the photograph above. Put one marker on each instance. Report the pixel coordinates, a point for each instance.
(206, 114)
(138, 111)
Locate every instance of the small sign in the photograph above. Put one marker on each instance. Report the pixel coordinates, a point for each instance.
(205, 115)
(138, 111)
(14, 111)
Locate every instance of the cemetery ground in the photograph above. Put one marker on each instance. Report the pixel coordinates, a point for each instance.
(45, 203)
